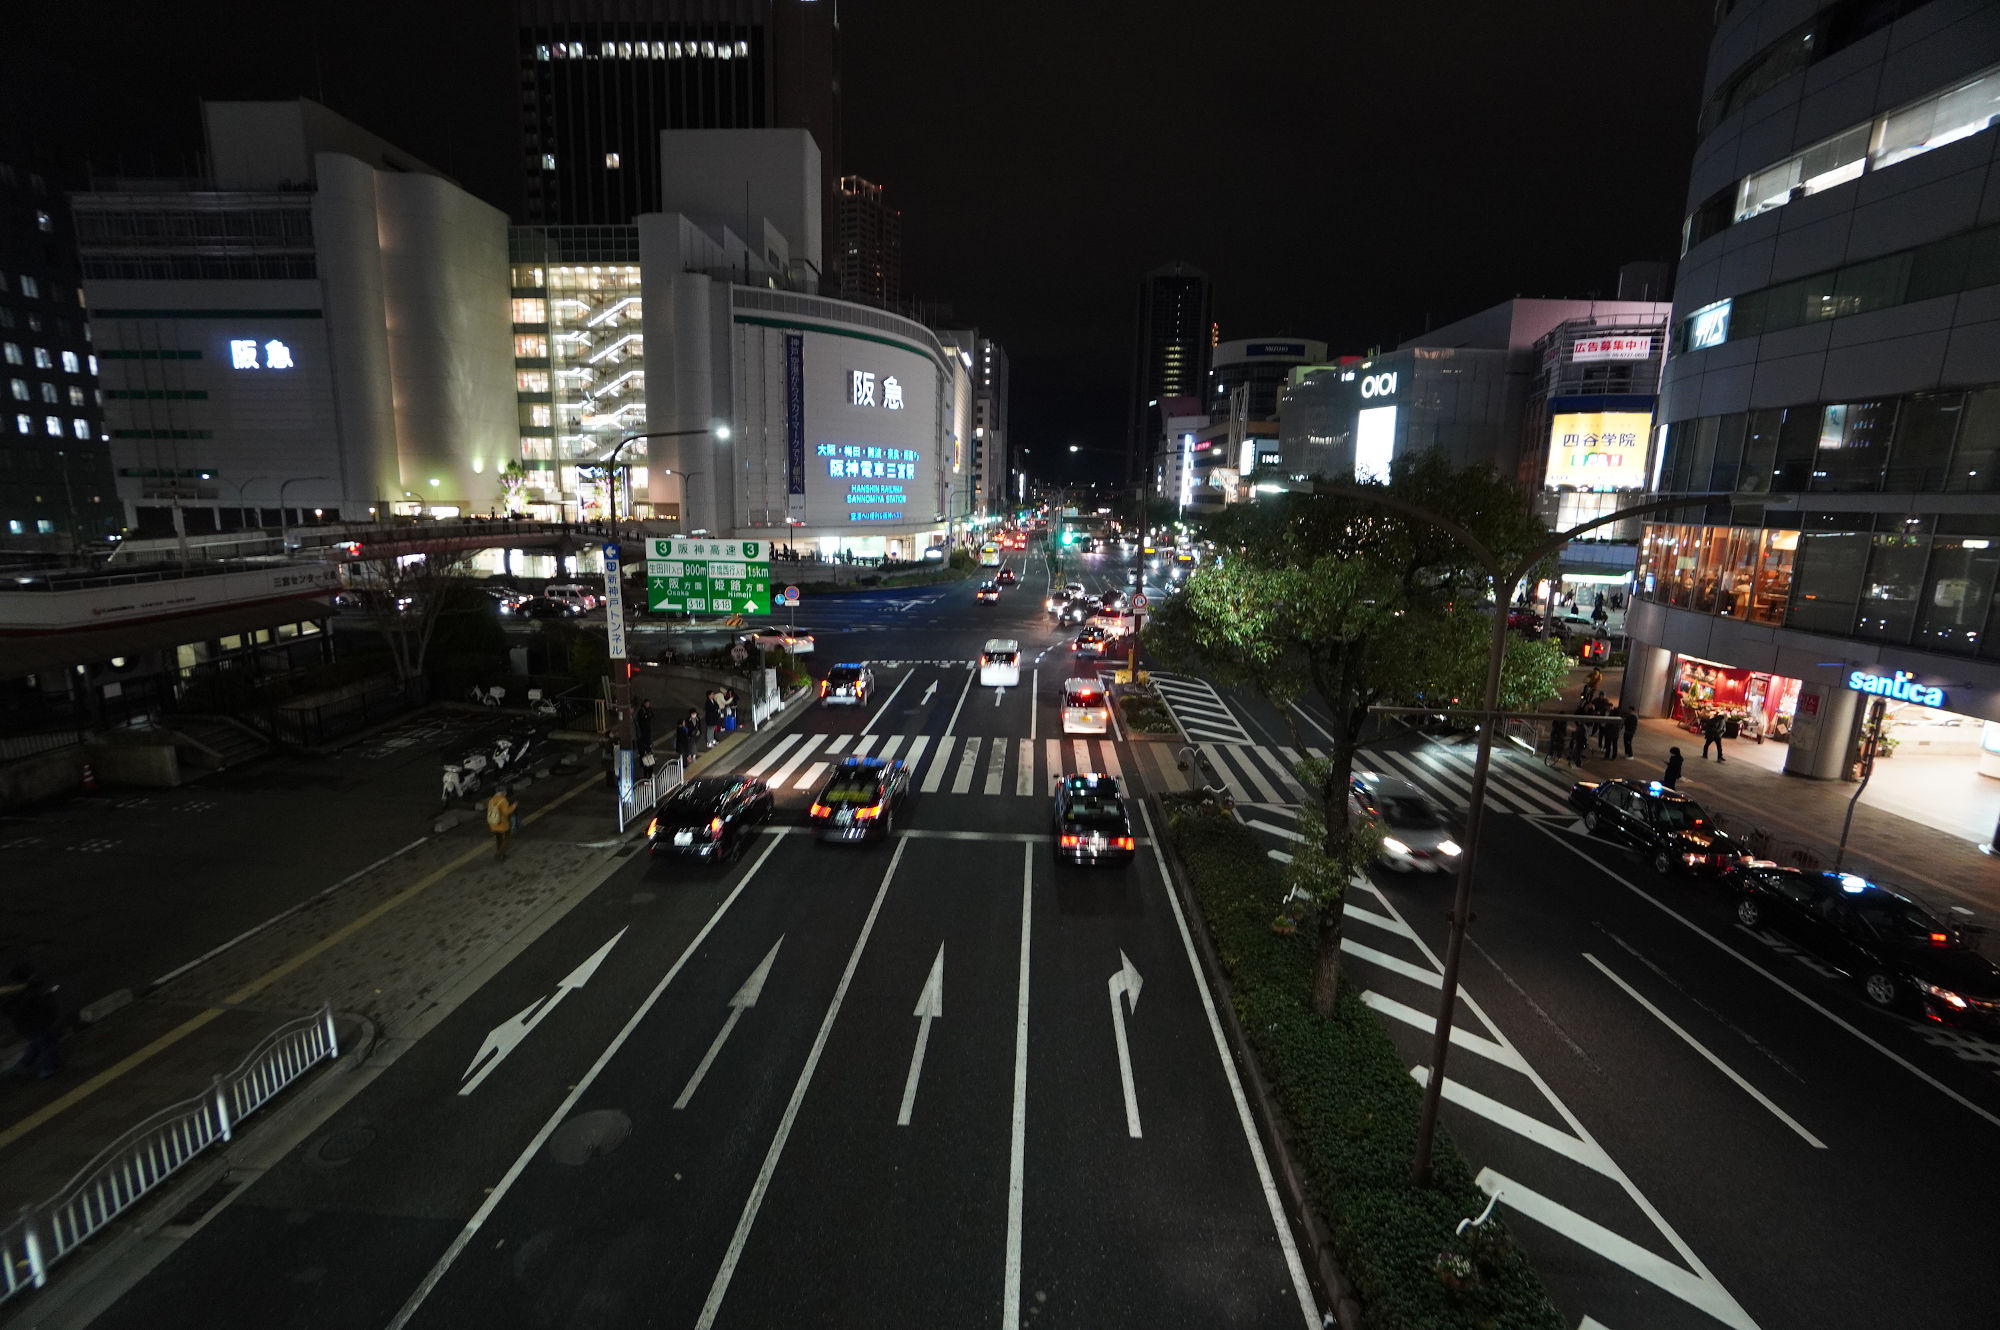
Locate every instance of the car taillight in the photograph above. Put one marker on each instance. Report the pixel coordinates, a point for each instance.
(1121, 842)
(714, 827)
(1070, 842)
(822, 688)
(653, 827)
(821, 810)
(872, 810)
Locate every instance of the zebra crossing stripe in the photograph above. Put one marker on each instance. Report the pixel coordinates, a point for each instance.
(810, 776)
(765, 763)
(867, 742)
(996, 766)
(1024, 774)
(968, 764)
(1248, 776)
(1109, 751)
(1082, 750)
(889, 748)
(916, 754)
(1286, 782)
(939, 761)
(796, 760)
(1459, 782)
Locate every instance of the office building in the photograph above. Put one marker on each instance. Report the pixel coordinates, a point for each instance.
(1832, 402)
(1170, 355)
(56, 487)
(868, 246)
(317, 330)
(600, 80)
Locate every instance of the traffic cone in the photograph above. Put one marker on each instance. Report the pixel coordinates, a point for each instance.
(89, 777)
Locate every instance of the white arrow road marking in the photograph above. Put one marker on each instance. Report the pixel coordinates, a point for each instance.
(1126, 981)
(929, 693)
(930, 1007)
(504, 1037)
(998, 693)
(746, 998)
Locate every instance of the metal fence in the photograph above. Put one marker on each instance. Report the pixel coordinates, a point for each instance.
(149, 1153)
(15, 746)
(307, 724)
(638, 799)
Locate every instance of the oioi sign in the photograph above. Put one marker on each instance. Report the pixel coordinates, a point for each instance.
(686, 575)
(1902, 688)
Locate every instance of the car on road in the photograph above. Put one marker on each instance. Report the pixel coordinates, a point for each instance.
(1085, 707)
(1092, 825)
(1675, 833)
(798, 641)
(859, 799)
(1904, 956)
(1092, 642)
(1000, 663)
(581, 596)
(1006, 577)
(847, 685)
(508, 601)
(542, 607)
(709, 818)
(988, 593)
(1415, 835)
(1113, 599)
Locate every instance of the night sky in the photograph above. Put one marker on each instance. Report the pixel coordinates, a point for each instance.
(1346, 172)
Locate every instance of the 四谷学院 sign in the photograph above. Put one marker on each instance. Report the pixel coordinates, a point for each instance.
(1598, 450)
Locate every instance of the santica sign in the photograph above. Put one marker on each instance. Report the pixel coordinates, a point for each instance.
(1904, 688)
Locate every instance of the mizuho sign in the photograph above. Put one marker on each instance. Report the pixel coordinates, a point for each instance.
(1379, 385)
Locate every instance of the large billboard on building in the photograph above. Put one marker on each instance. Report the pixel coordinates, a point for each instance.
(1598, 450)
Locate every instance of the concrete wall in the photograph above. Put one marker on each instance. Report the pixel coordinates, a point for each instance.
(739, 173)
(152, 766)
(350, 271)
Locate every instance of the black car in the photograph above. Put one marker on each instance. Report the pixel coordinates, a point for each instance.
(860, 799)
(1005, 577)
(1091, 824)
(1904, 956)
(847, 685)
(1675, 833)
(710, 818)
(541, 607)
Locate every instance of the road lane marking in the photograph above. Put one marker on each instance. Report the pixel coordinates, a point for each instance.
(1696, 1290)
(882, 707)
(1713, 1061)
(1108, 753)
(1017, 1140)
(746, 998)
(864, 743)
(1125, 982)
(971, 675)
(996, 766)
(498, 1193)
(940, 760)
(507, 1036)
(1054, 751)
(1730, 951)
(810, 776)
(1587, 1153)
(968, 766)
(770, 759)
(930, 1007)
(1034, 701)
(1490, 1049)
(1301, 1286)
(1393, 964)
(1285, 832)
(1361, 915)
(795, 761)
(723, 1275)
(1024, 769)
(890, 748)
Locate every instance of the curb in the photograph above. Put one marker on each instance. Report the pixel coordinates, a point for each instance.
(1334, 1286)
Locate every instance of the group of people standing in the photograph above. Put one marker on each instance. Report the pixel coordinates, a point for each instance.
(1595, 718)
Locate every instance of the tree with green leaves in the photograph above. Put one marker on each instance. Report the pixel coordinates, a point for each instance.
(1331, 595)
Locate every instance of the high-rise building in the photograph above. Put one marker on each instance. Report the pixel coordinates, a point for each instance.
(56, 487)
(1831, 403)
(1170, 357)
(868, 245)
(988, 461)
(601, 78)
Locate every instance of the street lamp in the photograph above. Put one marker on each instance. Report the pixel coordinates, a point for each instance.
(284, 485)
(687, 491)
(240, 486)
(719, 429)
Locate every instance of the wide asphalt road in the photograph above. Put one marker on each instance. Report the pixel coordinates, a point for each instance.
(937, 1081)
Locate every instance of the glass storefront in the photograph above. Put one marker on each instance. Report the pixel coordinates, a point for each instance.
(1742, 572)
(1760, 704)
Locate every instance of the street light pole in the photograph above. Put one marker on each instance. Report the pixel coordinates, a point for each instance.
(284, 485)
(610, 464)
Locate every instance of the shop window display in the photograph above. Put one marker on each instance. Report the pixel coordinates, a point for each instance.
(1759, 705)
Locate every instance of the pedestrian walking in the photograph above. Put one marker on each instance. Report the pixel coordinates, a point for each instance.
(1631, 719)
(501, 817)
(1579, 739)
(729, 711)
(642, 727)
(31, 1003)
(1711, 733)
(1598, 608)
(1672, 778)
(1594, 684)
(1607, 734)
(1558, 738)
(711, 717)
(1600, 616)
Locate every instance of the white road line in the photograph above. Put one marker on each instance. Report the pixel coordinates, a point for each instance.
(1697, 1291)
(971, 674)
(1108, 752)
(735, 1253)
(890, 746)
(1274, 830)
(1457, 787)
(810, 776)
(1082, 750)
(1730, 951)
(1490, 1049)
(934, 774)
(864, 743)
(1369, 917)
(996, 766)
(882, 707)
(1301, 1287)
(1055, 760)
(765, 763)
(1713, 1061)
(1017, 1147)
(1393, 964)
(1587, 1153)
(968, 766)
(1034, 700)
(1237, 758)
(1313, 721)
(1024, 770)
(499, 1192)
(1287, 785)
(795, 761)
(837, 743)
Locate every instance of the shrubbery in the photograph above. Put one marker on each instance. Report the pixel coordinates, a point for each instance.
(1353, 1109)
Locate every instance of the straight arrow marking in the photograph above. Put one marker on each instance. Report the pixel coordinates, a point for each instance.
(1126, 981)
(930, 1007)
(746, 997)
(503, 1038)
(929, 693)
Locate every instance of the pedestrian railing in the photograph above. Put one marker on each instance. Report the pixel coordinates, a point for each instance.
(639, 799)
(147, 1155)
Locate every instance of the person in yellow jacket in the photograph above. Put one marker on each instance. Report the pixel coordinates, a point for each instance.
(500, 812)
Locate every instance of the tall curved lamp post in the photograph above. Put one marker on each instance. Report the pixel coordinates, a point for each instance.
(687, 491)
(720, 430)
(286, 484)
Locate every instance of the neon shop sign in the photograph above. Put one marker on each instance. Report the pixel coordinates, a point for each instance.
(1903, 688)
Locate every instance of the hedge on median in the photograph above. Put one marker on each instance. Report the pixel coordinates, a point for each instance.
(1353, 1110)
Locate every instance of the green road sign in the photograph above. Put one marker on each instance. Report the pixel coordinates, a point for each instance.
(691, 575)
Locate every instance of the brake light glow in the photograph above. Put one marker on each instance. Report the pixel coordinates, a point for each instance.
(1070, 842)
(1121, 842)
(1940, 939)
(822, 688)
(714, 827)
(871, 811)
(653, 827)
(821, 810)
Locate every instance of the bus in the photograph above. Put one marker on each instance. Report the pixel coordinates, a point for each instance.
(989, 555)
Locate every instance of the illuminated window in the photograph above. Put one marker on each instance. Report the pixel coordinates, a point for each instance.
(49, 393)
(43, 360)
(541, 53)
(673, 50)
(548, 161)
(80, 428)
(659, 50)
(532, 380)
(531, 309)
(541, 415)
(530, 346)
(24, 424)
(12, 352)
(21, 390)
(611, 161)
(742, 48)
(42, 221)
(53, 424)
(76, 397)
(92, 362)
(30, 287)
(538, 450)
(608, 49)
(707, 49)
(70, 365)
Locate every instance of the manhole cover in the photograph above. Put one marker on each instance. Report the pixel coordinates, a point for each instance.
(338, 1147)
(589, 1136)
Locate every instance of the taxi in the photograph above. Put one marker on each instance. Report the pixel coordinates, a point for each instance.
(1000, 663)
(859, 799)
(1085, 707)
(1091, 824)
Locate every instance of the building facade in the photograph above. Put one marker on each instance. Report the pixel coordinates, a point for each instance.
(1170, 354)
(1832, 397)
(317, 330)
(868, 245)
(56, 486)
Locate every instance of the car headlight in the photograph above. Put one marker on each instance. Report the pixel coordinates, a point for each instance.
(1692, 858)
(1448, 847)
(1391, 843)
(1946, 996)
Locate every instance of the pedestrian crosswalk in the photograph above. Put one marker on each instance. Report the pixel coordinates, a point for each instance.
(951, 764)
(1199, 710)
(1256, 773)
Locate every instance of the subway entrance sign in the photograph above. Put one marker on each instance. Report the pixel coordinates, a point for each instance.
(690, 575)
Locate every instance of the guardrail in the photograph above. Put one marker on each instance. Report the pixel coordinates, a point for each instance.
(640, 797)
(150, 1153)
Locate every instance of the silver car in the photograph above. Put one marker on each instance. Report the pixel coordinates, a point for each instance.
(1415, 837)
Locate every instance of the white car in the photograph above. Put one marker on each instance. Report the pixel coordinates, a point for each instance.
(795, 640)
(1085, 707)
(1415, 838)
(572, 594)
(1000, 663)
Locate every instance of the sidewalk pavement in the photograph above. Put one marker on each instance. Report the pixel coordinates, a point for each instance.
(386, 950)
(1803, 817)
